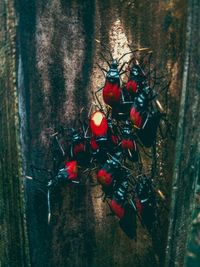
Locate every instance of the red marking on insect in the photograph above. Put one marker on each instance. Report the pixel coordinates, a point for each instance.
(98, 124)
(72, 169)
(111, 94)
(78, 148)
(127, 144)
(135, 117)
(132, 86)
(139, 206)
(94, 144)
(117, 209)
(104, 178)
(114, 139)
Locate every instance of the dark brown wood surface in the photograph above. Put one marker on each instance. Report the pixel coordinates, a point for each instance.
(56, 73)
(187, 156)
(58, 54)
(13, 237)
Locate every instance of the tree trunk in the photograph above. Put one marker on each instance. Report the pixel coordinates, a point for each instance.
(14, 249)
(58, 55)
(187, 165)
(57, 74)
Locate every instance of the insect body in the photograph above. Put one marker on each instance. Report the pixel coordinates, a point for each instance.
(146, 201)
(128, 144)
(145, 118)
(139, 109)
(118, 199)
(67, 174)
(111, 89)
(99, 126)
(77, 149)
(108, 173)
(136, 80)
(120, 206)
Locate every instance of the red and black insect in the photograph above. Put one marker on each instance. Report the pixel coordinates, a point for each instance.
(136, 81)
(77, 149)
(97, 136)
(138, 74)
(98, 126)
(66, 175)
(108, 173)
(145, 117)
(112, 93)
(111, 89)
(146, 202)
(103, 137)
(113, 136)
(117, 198)
(128, 145)
(146, 111)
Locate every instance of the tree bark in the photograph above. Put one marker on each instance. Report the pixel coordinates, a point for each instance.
(14, 247)
(187, 165)
(56, 75)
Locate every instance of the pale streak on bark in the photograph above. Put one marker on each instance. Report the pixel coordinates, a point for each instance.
(44, 35)
(174, 69)
(72, 65)
(119, 41)
(119, 44)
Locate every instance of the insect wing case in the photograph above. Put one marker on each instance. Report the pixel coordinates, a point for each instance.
(111, 94)
(146, 201)
(69, 173)
(148, 132)
(128, 223)
(98, 125)
(106, 174)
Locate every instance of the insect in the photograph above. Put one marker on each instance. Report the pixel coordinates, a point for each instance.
(77, 149)
(99, 126)
(146, 201)
(136, 81)
(128, 144)
(146, 110)
(112, 93)
(120, 206)
(111, 89)
(66, 175)
(108, 173)
(118, 199)
(114, 178)
(145, 116)
(97, 136)
(103, 137)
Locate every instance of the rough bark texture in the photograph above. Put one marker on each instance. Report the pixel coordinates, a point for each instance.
(13, 243)
(56, 75)
(187, 164)
(56, 63)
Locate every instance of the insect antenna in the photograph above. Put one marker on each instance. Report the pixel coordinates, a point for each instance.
(102, 55)
(106, 48)
(102, 69)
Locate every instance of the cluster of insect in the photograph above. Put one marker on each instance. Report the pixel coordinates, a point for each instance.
(121, 126)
